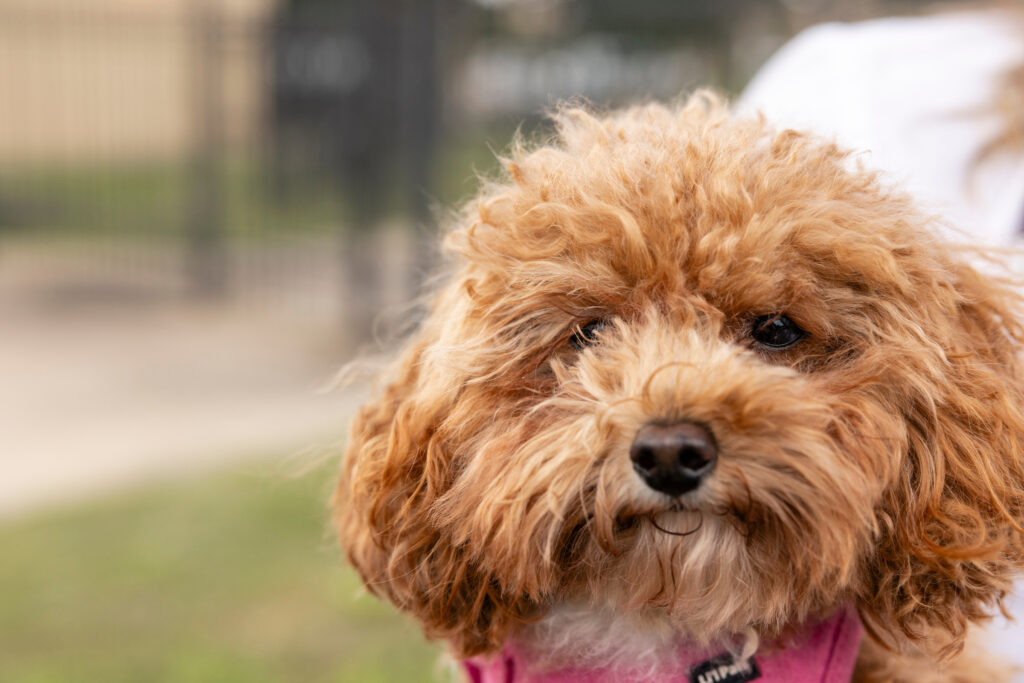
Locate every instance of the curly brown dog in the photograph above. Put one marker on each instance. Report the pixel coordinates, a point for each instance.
(695, 382)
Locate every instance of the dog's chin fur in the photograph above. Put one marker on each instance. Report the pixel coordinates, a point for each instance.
(637, 645)
(488, 489)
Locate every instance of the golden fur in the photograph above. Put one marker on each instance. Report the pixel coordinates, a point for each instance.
(878, 462)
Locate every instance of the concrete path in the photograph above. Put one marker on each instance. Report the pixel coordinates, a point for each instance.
(106, 384)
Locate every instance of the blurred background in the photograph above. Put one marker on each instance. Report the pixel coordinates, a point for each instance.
(208, 207)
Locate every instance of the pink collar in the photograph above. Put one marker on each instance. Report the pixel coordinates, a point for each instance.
(823, 652)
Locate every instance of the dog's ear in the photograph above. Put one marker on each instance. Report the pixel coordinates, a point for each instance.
(396, 465)
(951, 534)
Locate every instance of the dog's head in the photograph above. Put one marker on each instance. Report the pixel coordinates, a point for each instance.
(691, 363)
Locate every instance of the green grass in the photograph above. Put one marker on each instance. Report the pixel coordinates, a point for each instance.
(230, 578)
(152, 201)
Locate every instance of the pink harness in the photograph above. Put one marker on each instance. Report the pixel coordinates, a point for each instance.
(823, 652)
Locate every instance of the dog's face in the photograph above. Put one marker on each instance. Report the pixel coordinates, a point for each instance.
(689, 363)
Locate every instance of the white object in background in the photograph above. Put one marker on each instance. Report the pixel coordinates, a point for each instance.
(915, 97)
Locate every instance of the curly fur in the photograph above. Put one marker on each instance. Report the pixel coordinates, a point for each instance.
(879, 462)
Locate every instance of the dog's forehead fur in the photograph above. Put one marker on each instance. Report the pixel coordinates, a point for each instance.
(655, 203)
(879, 461)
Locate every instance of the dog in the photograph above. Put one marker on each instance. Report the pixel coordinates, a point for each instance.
(699, 400)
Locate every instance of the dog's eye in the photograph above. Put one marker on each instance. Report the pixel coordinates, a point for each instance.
(586, 335)
(776, 331)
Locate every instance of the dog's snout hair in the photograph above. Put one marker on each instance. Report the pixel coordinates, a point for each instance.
(677, 264)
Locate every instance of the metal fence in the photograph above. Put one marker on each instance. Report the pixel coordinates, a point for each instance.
(222, 149)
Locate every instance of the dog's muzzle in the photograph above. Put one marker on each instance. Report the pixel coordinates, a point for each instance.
(673, 458)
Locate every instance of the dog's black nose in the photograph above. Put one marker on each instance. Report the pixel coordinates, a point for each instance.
(672, 458)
